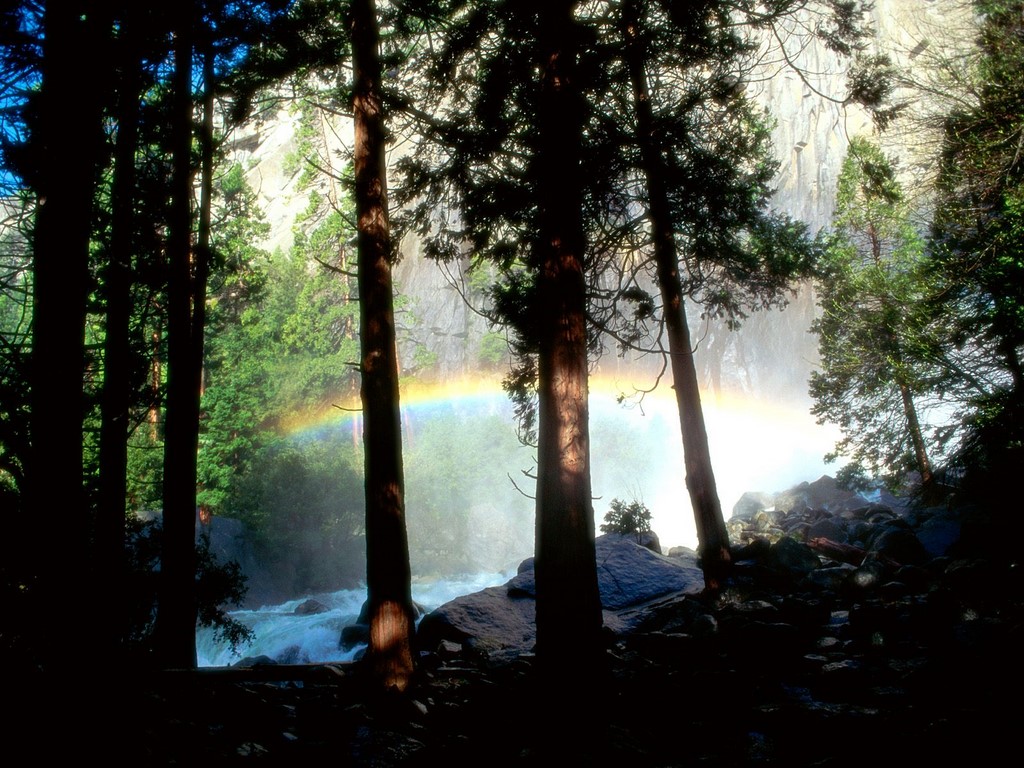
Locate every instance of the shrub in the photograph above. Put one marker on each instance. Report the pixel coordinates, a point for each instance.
(633, 518)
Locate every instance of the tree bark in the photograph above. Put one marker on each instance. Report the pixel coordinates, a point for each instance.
(67, 140)
(712, 535)
(177, 609)
(388, 574)
(205, 231)
(116, 394)
(924, 465)
(568, 602)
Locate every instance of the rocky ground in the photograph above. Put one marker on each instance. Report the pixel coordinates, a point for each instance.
(860, 647)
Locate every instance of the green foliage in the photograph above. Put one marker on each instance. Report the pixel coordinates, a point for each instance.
(713, 146)
(457, 468)
(145, 469)
(304, 153)
(977, 253)
(493, 350)
(627, 519)
(520, 384)
(423, 359)
(283, 340)
(218, 587)
(237, 260)
(870, 84)
(305, 503)
(873, 329)
(854, 476)
(15, 314)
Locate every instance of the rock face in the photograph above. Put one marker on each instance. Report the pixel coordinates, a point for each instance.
(441, 336)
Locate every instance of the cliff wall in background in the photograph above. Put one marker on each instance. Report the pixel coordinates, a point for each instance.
(799, 81)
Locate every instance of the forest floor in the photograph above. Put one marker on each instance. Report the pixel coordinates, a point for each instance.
(754, 698)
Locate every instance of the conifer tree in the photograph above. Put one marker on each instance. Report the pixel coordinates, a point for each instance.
(176, 615)
(568, 603)
(208, 31)
(701, 159)
(116, 397)
(62, 174)
(388, 578)
(872, 290)
(677, 172)
(976, 250)
(505, 173)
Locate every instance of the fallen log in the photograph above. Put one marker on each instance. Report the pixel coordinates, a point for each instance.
(846, 553)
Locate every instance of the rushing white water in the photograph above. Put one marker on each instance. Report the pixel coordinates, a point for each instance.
(637, 454)
(290, 638)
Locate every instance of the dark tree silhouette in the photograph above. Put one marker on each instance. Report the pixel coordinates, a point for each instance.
(177, 610)
(62, 175)
(116, 399)
(700, 478)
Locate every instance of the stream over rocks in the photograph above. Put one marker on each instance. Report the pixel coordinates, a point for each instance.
(853, 631)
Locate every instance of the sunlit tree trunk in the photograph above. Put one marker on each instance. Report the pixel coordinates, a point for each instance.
(568, 603)
(177, 608)
(712, 535)
(924, 465)
(388, 576)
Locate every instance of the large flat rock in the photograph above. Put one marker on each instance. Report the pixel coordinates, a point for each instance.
(501, 620)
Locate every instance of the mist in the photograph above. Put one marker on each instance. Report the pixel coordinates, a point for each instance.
(469, 481)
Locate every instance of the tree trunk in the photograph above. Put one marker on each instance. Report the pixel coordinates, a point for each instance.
(204, 233)
(156, 375)
(568, 602)
(116, 394)
(924, 465)
(388, 575)
(67, 140)
(700, 478)
(176, 615)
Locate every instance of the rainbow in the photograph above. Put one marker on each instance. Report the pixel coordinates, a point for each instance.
(636, 451)
(486, 391)
(471, 393)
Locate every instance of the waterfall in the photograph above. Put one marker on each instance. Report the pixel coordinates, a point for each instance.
(773, 353)
(754, 380)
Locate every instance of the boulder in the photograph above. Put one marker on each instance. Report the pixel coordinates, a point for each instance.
(831, 528)
(494, 621)
(939, 532)
(751, 503)
(310, 607)
(791, 558)
(353, 636)
(823, 493)
(628, 573)
(899, 544)
(647, 539)
(500, 621)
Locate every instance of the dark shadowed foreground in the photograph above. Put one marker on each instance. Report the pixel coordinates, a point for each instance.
(817, 653)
